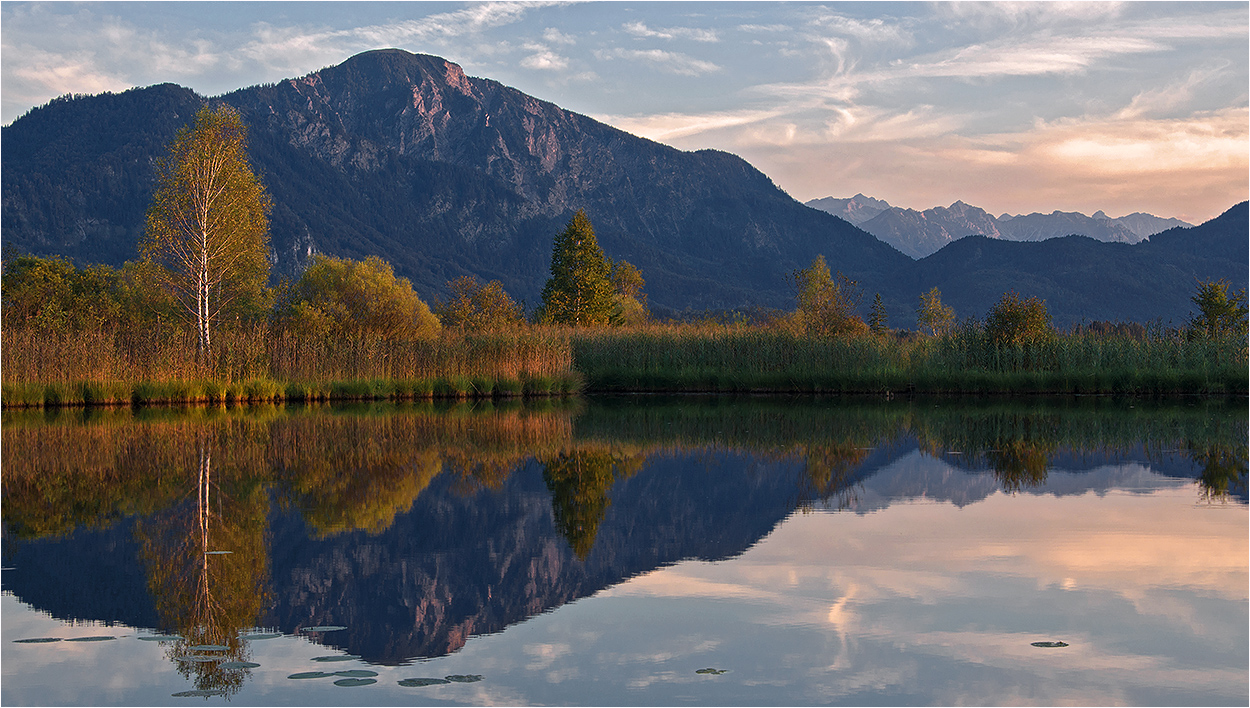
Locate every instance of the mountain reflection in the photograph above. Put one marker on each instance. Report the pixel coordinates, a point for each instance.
(419, 525)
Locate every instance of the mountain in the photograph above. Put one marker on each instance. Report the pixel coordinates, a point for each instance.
(856, 210)
(1084, 279)
(1142, 224)
(404, 156)
(921, 233)
(1039, 227)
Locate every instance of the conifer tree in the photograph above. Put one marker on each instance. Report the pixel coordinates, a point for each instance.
(578, 292)
(877, 321)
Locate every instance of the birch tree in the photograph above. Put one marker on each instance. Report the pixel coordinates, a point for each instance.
(207, 227)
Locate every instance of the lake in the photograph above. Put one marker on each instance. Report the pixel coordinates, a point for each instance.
(629, 551)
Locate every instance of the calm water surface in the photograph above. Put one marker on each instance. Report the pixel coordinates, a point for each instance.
(622, 551)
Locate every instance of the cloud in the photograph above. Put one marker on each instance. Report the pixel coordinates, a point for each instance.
(544, 59)
(668, 62)
(670, 126)
(639, 29)
(552, 35)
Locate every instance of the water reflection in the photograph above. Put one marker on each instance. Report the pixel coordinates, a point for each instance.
(418, 526)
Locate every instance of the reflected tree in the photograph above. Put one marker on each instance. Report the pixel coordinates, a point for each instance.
(202, 592)
(580, 482)
(1223, 471)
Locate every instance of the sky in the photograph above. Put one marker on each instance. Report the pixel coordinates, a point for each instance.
(1013, 107)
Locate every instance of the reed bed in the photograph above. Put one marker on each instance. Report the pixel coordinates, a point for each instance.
(753, 359)
(253, 365)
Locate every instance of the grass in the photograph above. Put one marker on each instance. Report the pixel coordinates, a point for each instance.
(252, 367)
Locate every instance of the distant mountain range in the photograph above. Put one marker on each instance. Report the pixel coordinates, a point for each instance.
(404, 156)
(921, 233)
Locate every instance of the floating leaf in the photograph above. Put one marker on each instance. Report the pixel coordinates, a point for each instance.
(355, 682)
(238, 665)
(325, 628)
(337, 657)
(310, 675)
(217, 553)
(97, 638)
(208, 647)
(199, 693)
(712, 672)
(37, 640)
(419, 682)
(159, 638)
(198, 659)
(356, 673)
(1050, 645)
(260, 635)
(464, 678)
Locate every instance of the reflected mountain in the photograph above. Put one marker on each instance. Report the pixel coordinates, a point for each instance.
(419, 526)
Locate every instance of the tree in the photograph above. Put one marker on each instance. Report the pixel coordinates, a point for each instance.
(479, 308)
(877, 319)
(1219, 313)
(578, 292)
(630, 303)
(933, 315)
(208, 223)
(826, 306)
(340, 297)
(51, 295)
(1016, 321)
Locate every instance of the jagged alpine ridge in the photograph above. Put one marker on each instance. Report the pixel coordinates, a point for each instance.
(404, 156)
(922, 233)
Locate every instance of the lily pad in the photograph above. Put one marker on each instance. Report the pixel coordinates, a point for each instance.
(355, 682)
(419, 682)
(97, 638)
(237, 665)
(37, 640)
(208, 647)
(325, 628)
(310, 675)
(337, 657)
(259, 635)
(1050, 645)
(356, 673)
(463, 678)
(217, 553)
(159, 638)
(199, 693)
(711, 671)
(198, 659)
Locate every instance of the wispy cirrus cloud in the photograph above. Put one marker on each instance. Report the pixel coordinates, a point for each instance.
(665, 61)
(640, 29)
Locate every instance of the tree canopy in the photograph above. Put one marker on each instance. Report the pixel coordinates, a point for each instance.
(933, 315)
(826, 307)
(1221, 311)
(479, 308)
(1017, 321)
(578, 292)
(342, 297)
(207, 227)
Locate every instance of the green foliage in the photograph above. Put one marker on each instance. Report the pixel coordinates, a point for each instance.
(630, 304)
(826, 306)
(207, 232)
(1219, 312)
(578, 292)
(933, 315)
(51, 295)
(339, 297)
(1016, 321)
(878, 323)
(479, 308)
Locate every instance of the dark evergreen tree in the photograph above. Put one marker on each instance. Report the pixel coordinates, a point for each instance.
(579, 292)
(877, 321)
